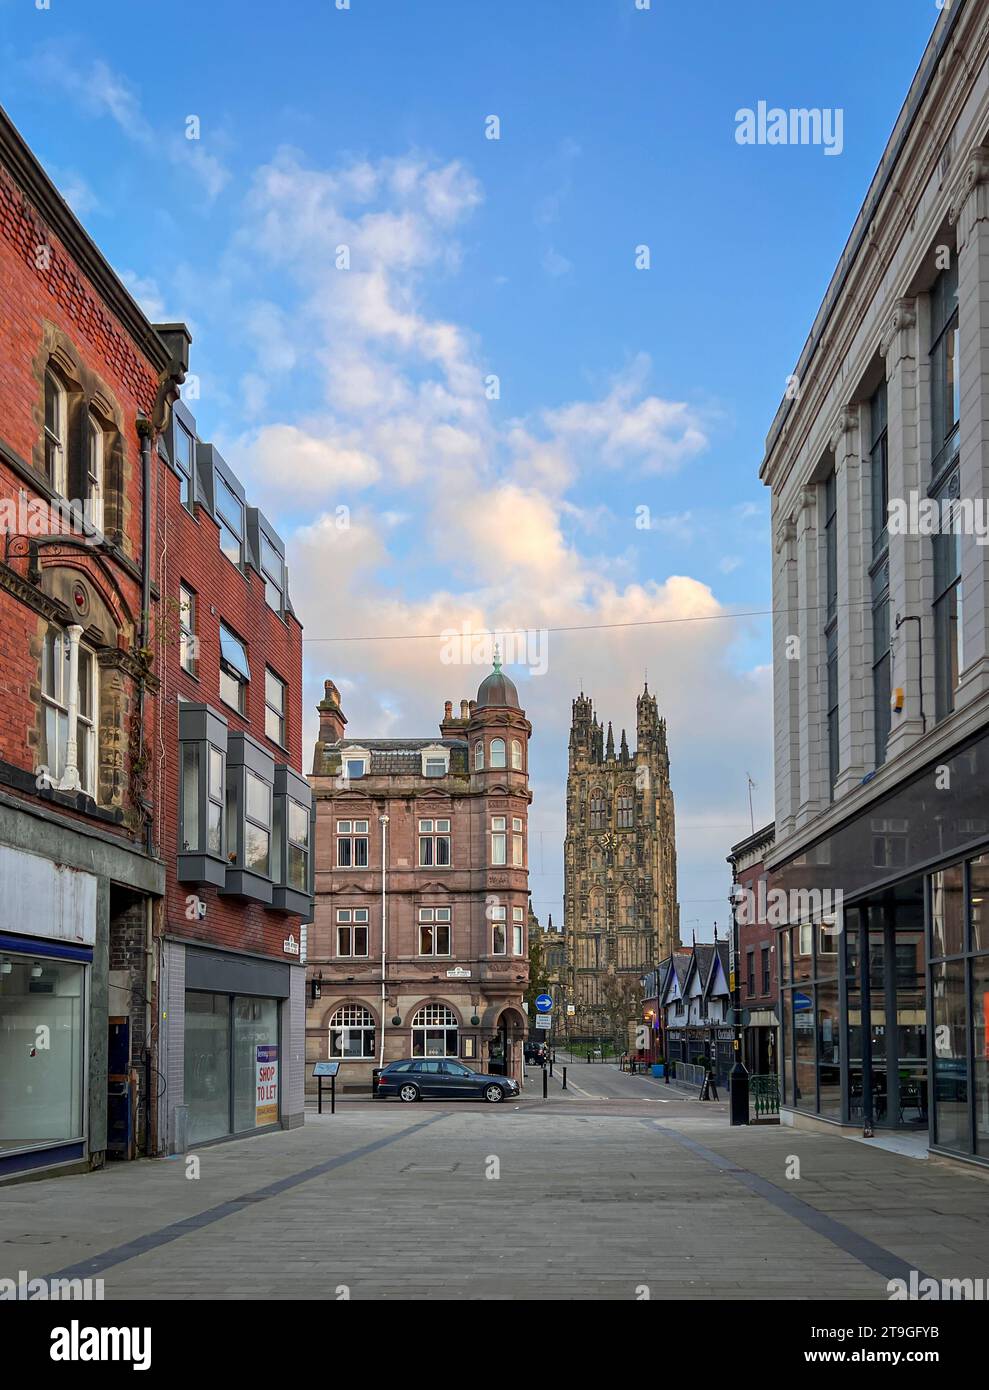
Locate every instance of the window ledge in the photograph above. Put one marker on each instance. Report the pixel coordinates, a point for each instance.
(242, 883)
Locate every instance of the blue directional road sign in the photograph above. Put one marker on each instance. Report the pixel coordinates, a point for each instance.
(544, 1003)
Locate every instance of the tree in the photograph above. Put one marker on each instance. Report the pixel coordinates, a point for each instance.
(538, 978)
(621, 1000)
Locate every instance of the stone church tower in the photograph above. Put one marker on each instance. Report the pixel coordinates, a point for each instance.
(620, 896)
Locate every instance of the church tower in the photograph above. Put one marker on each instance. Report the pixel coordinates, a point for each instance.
(620, 898)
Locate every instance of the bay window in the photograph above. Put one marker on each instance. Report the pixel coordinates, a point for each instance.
(274, 706)
(499, 937)
(273, 573)
(518, 931)
(517, 843)
(291, 843)
(250, 791)
(203, 842)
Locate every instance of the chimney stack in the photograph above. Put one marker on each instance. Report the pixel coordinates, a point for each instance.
(332, 719)
(464, 710)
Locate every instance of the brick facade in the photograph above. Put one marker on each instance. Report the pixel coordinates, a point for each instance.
(480, 978)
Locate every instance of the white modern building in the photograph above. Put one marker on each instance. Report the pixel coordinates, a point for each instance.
(878, 462)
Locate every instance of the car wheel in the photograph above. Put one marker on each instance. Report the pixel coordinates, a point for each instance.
(493, 1094)
(408, 1092)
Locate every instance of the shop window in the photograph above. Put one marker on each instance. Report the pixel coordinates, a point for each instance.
(434, 843)
(351, 1033)
(203, 843)
(434, 931)
(231, 1064)
(42, 1089)
(250, 789)
(352, 931)
(69, 745)
(352, 844)
(435, 1032)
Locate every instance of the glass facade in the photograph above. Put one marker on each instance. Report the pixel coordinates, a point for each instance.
(231, 1064)
(42, 1057)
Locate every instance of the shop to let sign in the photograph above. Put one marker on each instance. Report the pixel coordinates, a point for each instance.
(266, 1089)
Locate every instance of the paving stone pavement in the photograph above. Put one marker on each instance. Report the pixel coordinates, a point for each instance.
(596, 1199)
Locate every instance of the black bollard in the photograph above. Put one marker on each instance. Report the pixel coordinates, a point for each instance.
(564, 1078)
(738, 1093)
(545, 1084)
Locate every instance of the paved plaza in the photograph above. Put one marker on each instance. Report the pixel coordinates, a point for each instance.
(623, 1189)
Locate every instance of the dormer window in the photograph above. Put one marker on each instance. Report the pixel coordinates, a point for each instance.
(230, 516)
(184, 449)
(355, 763)
(435, 761)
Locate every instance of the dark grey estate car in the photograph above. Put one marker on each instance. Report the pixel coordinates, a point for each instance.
(443, 1079)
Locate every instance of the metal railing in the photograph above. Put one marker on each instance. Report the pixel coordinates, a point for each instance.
(765, 1094)
(688, 1072)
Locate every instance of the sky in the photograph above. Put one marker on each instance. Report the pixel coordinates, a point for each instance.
(491, 315)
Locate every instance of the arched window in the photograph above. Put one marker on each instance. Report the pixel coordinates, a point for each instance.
(516, 754)
(479, 755)
(57, 697)
(497, 752)
(56, 433)
(434, 1032)
(95, 469)
(599, 810)
(351, 1033)
(625, 809)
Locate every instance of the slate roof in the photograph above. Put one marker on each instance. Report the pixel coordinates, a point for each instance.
(398, 756)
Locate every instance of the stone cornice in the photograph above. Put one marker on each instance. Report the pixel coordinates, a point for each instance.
(32, 597)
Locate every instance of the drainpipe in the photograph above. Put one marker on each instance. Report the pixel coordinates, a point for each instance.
(383, 821)
(914, 618)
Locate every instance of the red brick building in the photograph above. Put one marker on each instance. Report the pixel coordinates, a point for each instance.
(419, 941)
(85, 386)
(155, 858)
(756, 962)
(235, 811)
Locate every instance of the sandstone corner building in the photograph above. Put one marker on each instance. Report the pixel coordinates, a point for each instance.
(881, 642)
(419, 944)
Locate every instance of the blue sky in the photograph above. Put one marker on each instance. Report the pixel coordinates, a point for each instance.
(620, 389)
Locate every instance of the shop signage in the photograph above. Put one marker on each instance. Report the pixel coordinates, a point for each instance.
(290, 946)
(458, 973)
(266, 1089)
(724, 1034)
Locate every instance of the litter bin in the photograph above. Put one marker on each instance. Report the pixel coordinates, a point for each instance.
(657, 1068)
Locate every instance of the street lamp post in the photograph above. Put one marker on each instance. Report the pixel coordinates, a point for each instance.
(738, 1082)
